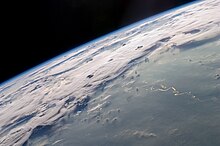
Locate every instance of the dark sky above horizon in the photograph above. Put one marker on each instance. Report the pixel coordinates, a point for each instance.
(37, 30)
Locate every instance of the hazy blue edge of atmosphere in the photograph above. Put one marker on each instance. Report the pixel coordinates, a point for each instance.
(98, 39)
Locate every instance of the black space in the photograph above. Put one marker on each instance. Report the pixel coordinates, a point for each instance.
(36, 30)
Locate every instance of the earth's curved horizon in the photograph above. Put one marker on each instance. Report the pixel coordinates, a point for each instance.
(153, 83)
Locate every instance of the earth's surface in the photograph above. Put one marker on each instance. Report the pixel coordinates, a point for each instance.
(154, 83)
